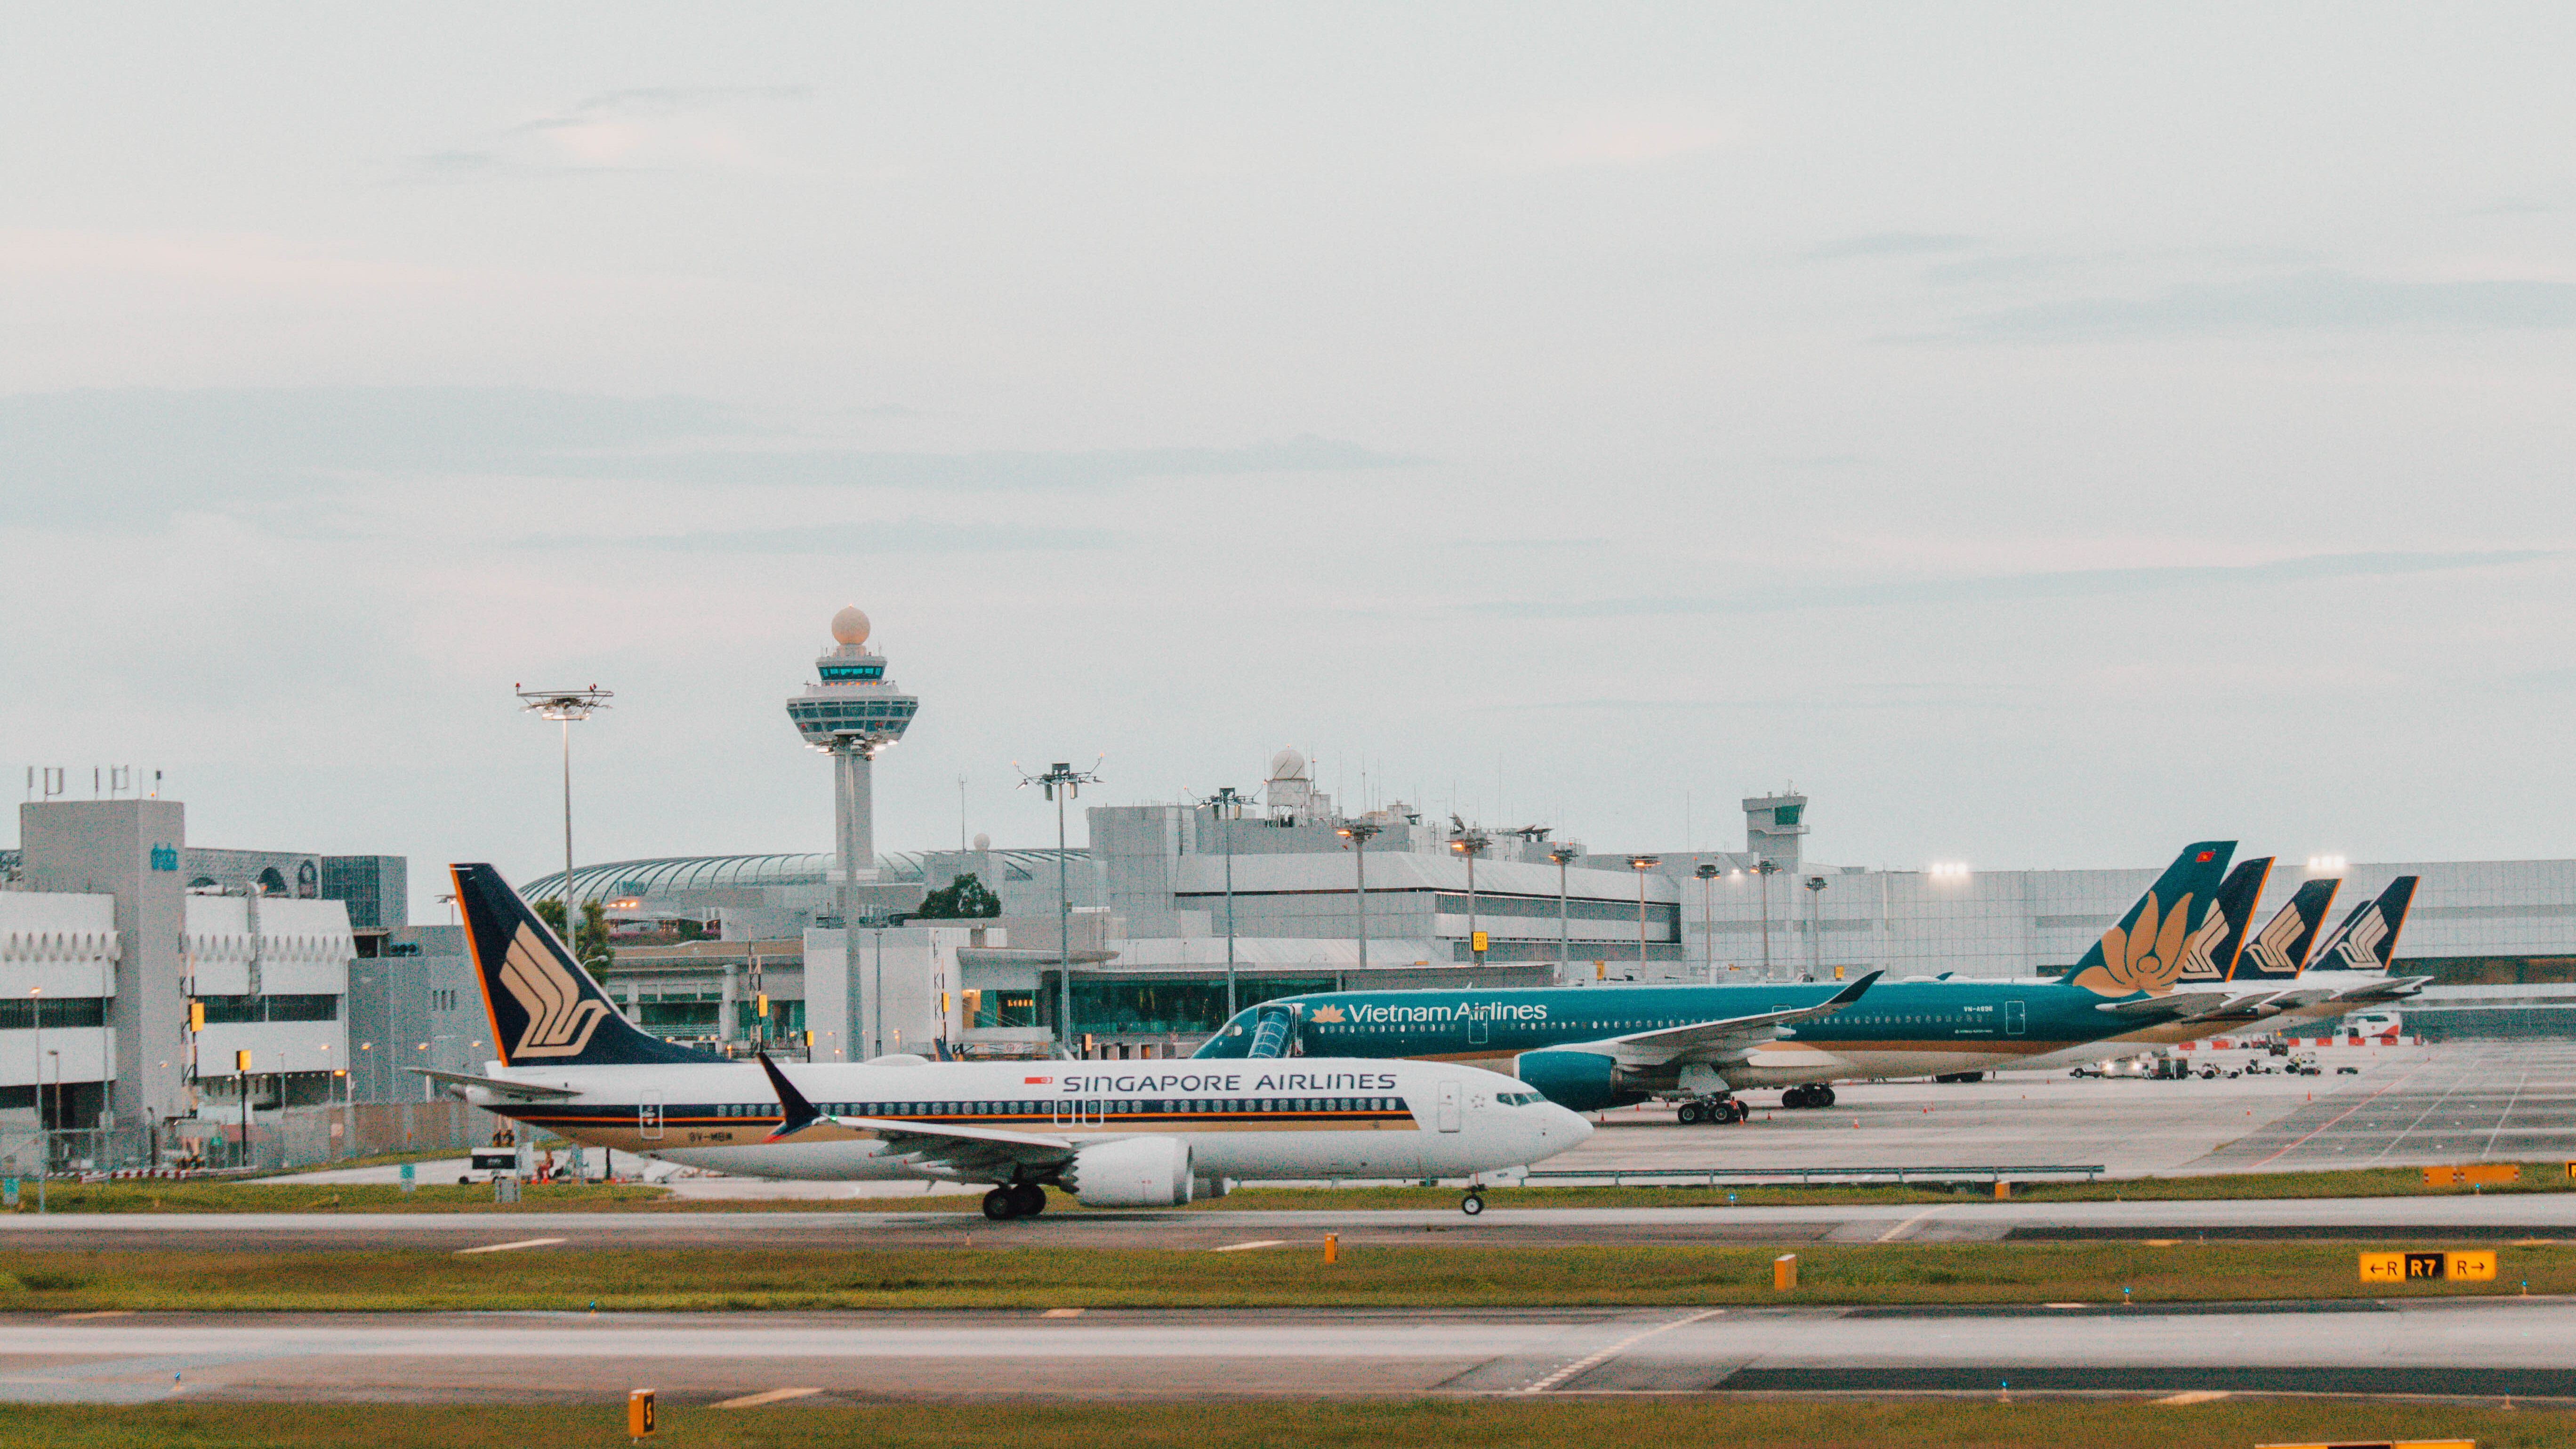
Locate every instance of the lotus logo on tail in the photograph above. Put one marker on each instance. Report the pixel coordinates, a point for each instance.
(2146, 957)
(560, 1019)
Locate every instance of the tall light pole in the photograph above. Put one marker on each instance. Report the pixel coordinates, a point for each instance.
(1706, 870)
(1227, 805)
(1563, 853)
(44, 1124)
(1765, 869)
(1470, 843)
(565, 706)
(1062, 782)
(1359, 833)
(1815, 931)
(1641, 864)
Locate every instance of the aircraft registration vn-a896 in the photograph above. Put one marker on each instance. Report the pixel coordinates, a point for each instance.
(1593, 1047)
(1119, 1134)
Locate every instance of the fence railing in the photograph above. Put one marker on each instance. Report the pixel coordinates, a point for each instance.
(1713, 1176)
(296, 1137)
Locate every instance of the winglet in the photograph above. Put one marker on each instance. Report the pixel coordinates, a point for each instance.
(1851, 993)
(795, 1112)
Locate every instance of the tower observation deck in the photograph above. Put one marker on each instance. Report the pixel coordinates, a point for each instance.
(852, 713)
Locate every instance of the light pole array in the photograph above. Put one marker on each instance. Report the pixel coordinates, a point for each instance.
(564, 706)
(1358, 833)
(1062, 783)
(1227, 805)
(1706, 870)
(1563, 853)
(1642, 864)
(1470, 843)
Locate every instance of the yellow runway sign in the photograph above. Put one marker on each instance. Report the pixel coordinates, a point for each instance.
(2477, 1266)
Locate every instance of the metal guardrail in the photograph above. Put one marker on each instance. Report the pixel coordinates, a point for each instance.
(1712, 1176)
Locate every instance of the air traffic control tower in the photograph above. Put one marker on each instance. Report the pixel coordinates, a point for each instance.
(852, 712)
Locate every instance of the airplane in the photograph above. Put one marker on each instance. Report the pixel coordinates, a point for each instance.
(2215, 953)
(1116, 1134)
(2355, 967)
(1594, 1047)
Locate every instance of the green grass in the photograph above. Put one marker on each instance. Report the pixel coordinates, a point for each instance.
(1293, 1275)
(1400, 1424)
(289, 1196)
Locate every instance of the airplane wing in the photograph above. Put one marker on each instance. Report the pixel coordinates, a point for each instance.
(1712, 1040)
(2169, 1006)
(516, 1091)
(934, 1149)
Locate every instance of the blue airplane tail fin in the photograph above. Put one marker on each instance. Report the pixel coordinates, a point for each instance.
(2367, 939)
(2279, 952)
(544, 1008)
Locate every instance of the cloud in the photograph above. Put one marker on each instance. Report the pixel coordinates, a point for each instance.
(900, 535)
(645, 129)
(2306, 301)
(136, 457)
(1892, 244)
(2022, 587)
(1623, 135)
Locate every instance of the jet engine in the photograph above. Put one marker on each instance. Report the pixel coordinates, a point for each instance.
(1132, 1172)
(1578, 1081)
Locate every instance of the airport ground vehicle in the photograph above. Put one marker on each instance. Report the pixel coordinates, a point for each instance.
(1120, 1134)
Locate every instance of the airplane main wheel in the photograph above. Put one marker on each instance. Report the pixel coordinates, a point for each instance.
(1798, 1097)
(1472, 1204)
(1688, 1115)
(1741, 1113)
(1002, 1203)
(1029, 1198)
(1824, 1096)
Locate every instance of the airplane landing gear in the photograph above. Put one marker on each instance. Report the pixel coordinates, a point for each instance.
(1472, 1204)
(1813, 1094)
(1714, 1109)
(1020, 1200)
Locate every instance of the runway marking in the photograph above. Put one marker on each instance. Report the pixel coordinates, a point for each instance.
(2348, 1111)
(2195, 1396)
(2505, 1116)
(771, 1396)
(507, 1247)
(1061, 1313)
(96, 1313)
(1593, 1361)
(1901, 1229)
(2066, 1305)
(1258, 1243)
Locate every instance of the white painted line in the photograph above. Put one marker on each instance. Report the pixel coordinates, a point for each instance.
(1907, 1226)
(2195, 1396)
(1061, 1313)
(772, 1396)
(506, 1247)
(97, 1313)
(1239, 1247)
(1592, 1361)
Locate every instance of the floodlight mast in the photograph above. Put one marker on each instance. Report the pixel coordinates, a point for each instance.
(1359, 833)
(1470, 843)
(1706, 870)
(564, 706)
(1227, 805)
(1062, 782)
(1564, 853)
(1642, 864)
(1765, 869)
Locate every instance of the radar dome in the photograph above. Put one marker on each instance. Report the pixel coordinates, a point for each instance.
(982, 841)
(1287, 765)
(850, 626)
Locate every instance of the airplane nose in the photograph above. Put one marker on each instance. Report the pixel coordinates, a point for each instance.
(1568, 1127)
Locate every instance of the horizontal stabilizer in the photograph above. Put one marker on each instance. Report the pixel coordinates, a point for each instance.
(516, 1091)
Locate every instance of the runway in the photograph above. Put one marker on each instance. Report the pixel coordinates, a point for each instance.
(2502, 1215)
(2476, 1348)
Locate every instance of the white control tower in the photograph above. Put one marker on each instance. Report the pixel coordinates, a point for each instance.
(852, 712)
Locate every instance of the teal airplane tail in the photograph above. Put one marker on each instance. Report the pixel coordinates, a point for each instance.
(2147, 950)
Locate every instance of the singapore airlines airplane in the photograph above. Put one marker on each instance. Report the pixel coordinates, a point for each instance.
(1118, 1134)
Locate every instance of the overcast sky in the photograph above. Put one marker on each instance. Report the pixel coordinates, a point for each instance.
(2044, 434)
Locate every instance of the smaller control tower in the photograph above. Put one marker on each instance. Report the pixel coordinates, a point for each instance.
(852, 713)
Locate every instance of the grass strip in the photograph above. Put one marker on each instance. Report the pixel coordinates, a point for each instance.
(1292, 1275)
(296, 1197)
(1401, 1424)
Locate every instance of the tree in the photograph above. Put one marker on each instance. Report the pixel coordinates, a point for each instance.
(962, 899)
(590, 944)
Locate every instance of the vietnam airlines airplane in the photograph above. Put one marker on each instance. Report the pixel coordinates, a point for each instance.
(1118, 1134)
(1602, 1046)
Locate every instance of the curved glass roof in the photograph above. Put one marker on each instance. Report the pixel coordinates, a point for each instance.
(667, 875)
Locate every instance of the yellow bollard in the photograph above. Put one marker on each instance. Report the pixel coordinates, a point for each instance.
(1784, 1272)
(1332, 1247)
(2003, 1190)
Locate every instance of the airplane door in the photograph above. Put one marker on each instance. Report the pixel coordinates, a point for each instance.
(1476, 1032)
(648, 1117)
(2014, 1021)
(1448, 1106)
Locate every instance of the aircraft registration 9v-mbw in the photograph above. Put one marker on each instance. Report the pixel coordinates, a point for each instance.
(1118, 1134)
